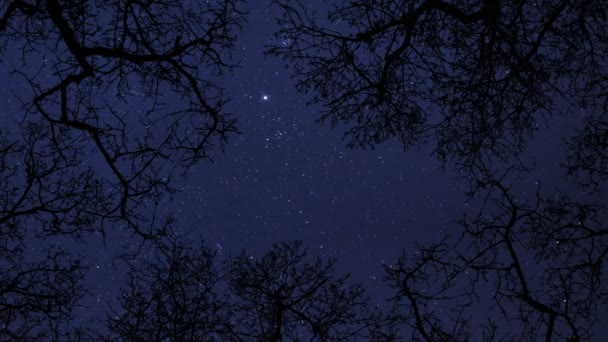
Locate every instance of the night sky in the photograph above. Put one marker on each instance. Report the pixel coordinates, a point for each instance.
(288, 177)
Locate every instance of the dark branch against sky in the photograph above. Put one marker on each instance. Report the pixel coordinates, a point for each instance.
(257, 168)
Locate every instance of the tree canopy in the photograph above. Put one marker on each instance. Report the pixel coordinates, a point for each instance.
(98, 140)
(476, 79)
(97, 146)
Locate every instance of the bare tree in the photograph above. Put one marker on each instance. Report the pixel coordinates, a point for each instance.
(38, 293)
(179, 294)
(284, 296)
(588, 154)
(477, 78)
(37, 297)
(537, 268)
(44, 187)
(173, 295)
(122, 95)
(97, 124)
(428, 298)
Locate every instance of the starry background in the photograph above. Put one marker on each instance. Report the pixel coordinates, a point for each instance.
(287, 177)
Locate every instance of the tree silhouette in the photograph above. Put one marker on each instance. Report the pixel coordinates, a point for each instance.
(37, 298)
(588, 154)
(180, 294)
(537, 267)
(97, 131)
(284, 296)
(97, 144)
(37, 189)
(421, 282)
(172, 295)
(477, 78)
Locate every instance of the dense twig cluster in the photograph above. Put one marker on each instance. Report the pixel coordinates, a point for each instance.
(97, 146)
(183, 294)
(477, 79)
(101, 73)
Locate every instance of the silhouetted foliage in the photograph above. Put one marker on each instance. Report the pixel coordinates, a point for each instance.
(37, 297)
(172, 295)
(181, 295)
(588, 154)
(37, 189)
(422, 281)
(477, 78)
(98, 141)
(95, 144)
(284, 296)
(537, 266)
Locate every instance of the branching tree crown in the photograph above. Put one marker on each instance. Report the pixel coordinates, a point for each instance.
(477, 78)
(536, 266)
(174, 296)
(181, 294)
(123, 94)
(284, 296)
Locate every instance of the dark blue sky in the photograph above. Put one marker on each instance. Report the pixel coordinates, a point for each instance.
(287, 177)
